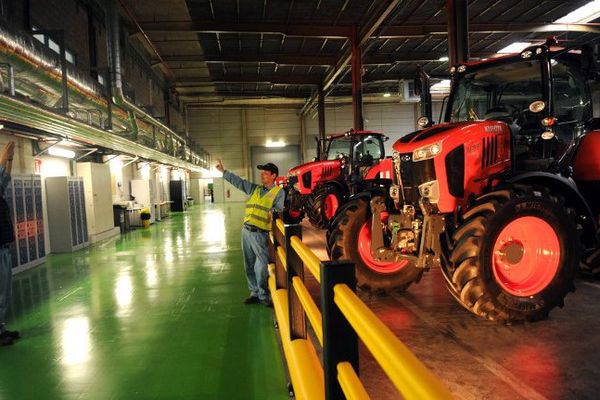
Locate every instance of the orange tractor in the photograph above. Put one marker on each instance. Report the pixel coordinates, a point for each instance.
(502, 196)
(348, 161)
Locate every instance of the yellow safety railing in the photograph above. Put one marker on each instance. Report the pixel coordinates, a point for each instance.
(407, 373)
(341, 320)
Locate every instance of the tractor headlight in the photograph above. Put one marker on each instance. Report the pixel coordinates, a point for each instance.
(427, 152)
(431, 191)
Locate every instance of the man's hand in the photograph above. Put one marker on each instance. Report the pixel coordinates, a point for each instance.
(7, 153)
(220, 166)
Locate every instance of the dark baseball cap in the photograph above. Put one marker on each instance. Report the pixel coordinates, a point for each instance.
(269, 167)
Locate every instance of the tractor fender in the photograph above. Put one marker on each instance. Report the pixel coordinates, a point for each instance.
(341, 186)
(567, 188)
(365, 195)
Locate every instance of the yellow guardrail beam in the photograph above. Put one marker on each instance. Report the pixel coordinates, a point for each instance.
(350, 382)
(310, 260)
(303, 362)
(411, 377)
(281, 254)
(280, 226)
(310, 308)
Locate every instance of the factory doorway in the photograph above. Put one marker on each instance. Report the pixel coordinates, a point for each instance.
(284, 157)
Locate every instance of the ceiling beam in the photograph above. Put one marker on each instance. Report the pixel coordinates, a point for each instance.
(345, 32)
(275, 80)
(309, 80)
(407, 31)
(300, 60)
(380, 12)
(279, 59)
(318, 31)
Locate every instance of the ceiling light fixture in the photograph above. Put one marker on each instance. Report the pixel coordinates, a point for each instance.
(515, 47)
(586, 13)
(275, 143)
(442, 86)
(60, 152)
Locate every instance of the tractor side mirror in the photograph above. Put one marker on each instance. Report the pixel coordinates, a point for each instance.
(418, 83)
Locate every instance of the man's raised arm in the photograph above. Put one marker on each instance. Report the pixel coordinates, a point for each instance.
(241, 184)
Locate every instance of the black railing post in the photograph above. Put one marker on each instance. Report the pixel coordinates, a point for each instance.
(340, 341)
(295, 267)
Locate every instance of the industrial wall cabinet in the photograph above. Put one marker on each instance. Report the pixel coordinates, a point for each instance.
(67, 220)
(178, 195)
(24, 197)
(143, 191)
(98, 200)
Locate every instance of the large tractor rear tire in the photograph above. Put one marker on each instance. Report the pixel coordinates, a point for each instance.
(514, 255)
(349, 238)
(323, 204)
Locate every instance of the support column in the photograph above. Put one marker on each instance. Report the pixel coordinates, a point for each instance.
(321, 112)
(245, 147)
(302, 139)
(458, 31)
(357, 103)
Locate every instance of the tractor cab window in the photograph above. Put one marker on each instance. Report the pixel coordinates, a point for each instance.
(367, 150)
(572, 103)
(499, 92)
(339, 147)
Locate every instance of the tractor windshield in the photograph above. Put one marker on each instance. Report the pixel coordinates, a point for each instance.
(497, 92)
(363, 148)
(339, 147)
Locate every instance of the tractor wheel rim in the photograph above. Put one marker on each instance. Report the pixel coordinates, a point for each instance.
(331, 205)
(364, 249)
(295, 214)
(526, 256)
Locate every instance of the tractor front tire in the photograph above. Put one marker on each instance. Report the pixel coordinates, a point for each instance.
(322, 205)
(514, 255)
(349, 239)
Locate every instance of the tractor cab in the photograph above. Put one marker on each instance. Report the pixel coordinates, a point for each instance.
(542, 95)
(358, 150)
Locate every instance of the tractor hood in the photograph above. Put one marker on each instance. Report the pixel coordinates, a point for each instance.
(312, 165)
(439, 133)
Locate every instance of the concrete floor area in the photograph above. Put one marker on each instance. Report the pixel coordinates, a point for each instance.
(155, 314)
(553, 359)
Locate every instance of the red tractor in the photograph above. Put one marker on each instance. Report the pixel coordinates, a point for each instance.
(316, 189)
(503, 195)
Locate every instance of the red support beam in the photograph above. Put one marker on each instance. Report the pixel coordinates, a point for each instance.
(357, 109)
(321, 112)
(458, 31)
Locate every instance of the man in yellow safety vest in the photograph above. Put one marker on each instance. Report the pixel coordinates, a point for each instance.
(264, 199)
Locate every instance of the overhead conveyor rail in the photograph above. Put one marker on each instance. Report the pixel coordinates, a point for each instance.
(342, 319)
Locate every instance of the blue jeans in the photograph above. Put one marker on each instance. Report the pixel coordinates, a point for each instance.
(256, 259)
(5, 285)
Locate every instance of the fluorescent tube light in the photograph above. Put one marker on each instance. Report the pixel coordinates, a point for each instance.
(441, 86)
(516, 47)
(60, 152)
(275, 143)
(586, 13)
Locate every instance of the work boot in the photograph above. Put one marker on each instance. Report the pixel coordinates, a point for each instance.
(252, 300)
(267, 303)
(12, 334)
(6, 340)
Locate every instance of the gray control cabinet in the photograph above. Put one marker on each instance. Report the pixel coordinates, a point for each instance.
(24, 197)
(67, 220)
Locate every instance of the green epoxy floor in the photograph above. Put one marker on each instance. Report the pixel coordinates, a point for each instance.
(154, 314)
